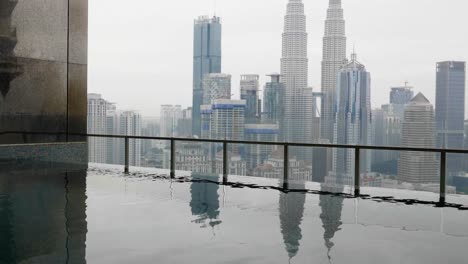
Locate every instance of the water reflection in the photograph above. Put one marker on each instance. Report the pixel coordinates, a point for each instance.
(332, 207)
(10, 69)
(42, 217)
(291, 212)
(204, 201)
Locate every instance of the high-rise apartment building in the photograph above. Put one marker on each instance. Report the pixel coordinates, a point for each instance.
(297, 123)
(353, 119)
(419, 132)
(97, 115)
(450, 109)
(216, 86)
(104, 118)
(130, 125)
(224, 119)
(249, 91)
(169, 120)
(206, 59)
(113, 128)
(334, 53)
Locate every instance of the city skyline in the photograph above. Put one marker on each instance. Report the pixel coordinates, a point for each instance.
(406, 42)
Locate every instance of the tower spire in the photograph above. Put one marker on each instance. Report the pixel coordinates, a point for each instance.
(334, 53)
(354, 54)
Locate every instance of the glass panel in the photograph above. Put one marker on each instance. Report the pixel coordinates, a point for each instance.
(402, 175)
(457, 179)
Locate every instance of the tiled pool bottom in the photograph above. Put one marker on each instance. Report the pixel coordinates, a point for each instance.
(108, 217)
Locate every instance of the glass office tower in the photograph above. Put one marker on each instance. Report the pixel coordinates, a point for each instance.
(206, 59)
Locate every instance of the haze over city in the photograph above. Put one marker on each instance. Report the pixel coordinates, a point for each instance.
(145, 60)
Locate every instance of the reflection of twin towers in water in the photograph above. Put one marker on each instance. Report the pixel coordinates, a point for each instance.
(205, 206)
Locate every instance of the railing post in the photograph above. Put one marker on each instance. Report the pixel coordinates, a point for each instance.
(357, 171)
(225, 162)
(173, 158)
(127, 151)
(286, 166)
(443, 176)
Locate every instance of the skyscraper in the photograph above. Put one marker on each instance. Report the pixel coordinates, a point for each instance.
(273, 106)
(224, 119)
(399, 98)
(297, 123)
(184, 128)
(450, 109)
(169, 120)
(206, 59)
(419, 132)
(130, 124)
(97, 115)
(386, 129)
(353, 118)
(216, 86)
(401, 95)
(334, 53)
(249, 91)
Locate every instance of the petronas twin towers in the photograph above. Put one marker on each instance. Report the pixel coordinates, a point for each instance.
(334, 54)
(294, 71)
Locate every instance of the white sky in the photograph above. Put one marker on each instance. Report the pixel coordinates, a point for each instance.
(140, 51)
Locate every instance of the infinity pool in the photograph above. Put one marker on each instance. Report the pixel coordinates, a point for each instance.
(104, 216)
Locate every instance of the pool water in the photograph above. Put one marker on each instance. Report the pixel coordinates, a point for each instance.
(104, 216)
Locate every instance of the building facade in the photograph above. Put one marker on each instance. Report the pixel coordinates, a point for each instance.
(192, 157)
(206, 59)
(273, 102)
(297, 123)
(257, 154)
(353, 119)
(334, 53)
(386, 130)
(130, 125)
(224, 119)
(419, 132)
(450, 109)
(169, 119)
(184, 126)
(401, 95)
(273, 168)
(216, 86)
(249, 91)
(97, 124)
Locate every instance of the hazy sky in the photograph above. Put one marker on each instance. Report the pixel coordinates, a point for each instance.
(140, 51)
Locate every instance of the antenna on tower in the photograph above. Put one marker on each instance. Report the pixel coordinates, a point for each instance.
(406, 85)
(354, 55)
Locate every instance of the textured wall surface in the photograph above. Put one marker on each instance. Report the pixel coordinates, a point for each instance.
(43, 78)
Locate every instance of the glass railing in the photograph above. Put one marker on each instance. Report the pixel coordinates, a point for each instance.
(228, 157)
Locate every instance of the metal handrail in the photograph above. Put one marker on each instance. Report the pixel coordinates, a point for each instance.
(357, 150)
